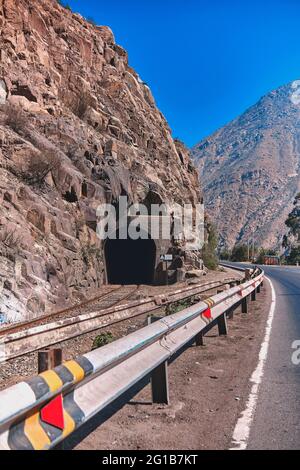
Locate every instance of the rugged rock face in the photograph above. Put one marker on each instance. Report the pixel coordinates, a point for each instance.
(78, 128)
(250, 169)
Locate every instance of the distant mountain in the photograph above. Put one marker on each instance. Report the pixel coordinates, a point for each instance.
(250, 169)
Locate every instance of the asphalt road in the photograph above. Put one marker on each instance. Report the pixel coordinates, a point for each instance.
(276, 422)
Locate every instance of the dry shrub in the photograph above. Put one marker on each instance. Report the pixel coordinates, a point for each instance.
(82, 103)
(10, 239)
(77, 104)
(119, 179)
(40, 165)
(90, 254)
(15, 118)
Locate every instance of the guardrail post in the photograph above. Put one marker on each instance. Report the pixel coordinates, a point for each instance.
(244, 305)
(48, 359)
(230, 312)
(258, 289)
(199, 339)
(159, 377)
(222, 325)
(253, 295)
(160, 384)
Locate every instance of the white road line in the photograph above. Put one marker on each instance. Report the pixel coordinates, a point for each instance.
(242, 429)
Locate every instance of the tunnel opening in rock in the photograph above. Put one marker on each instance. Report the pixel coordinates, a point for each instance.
(130, 261)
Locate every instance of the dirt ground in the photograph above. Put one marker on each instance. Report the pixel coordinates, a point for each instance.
(16, 370)
(209, 386)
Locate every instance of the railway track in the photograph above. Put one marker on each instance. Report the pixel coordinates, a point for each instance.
(104, 310)
(106, 300)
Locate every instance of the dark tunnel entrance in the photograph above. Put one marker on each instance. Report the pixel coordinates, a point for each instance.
(130, 261)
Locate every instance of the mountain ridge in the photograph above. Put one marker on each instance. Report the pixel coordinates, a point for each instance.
(250, 169)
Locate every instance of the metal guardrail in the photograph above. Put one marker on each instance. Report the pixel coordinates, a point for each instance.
(253, 271)
(227, 265)
(22, 342)
(41, 412)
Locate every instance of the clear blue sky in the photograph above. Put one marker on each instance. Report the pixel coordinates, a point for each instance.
(206, 61)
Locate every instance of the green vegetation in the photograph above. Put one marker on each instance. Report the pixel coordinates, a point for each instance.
(239, 253)
(293, 221)
(294, 256)
(225, 254)
(102, 340)
(290, 241)
(209, 254)
(178, 306)
(296, 198)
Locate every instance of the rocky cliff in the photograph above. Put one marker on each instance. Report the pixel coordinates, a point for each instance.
(78, 127)
(250, 169)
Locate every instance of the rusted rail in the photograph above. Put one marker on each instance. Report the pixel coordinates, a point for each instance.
(105, 300)
(22, 341)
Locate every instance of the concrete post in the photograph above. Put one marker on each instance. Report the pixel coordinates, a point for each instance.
(48, 359)
(222, 325)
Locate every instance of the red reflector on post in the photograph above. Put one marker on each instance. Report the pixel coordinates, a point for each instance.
(53, 413)
(207, 314)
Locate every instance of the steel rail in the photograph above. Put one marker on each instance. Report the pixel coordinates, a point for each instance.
(12, 328)
(22, 342)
